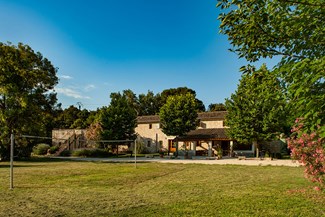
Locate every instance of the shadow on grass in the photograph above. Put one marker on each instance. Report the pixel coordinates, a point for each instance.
(43, 159)
(6, 164)
(15, 166)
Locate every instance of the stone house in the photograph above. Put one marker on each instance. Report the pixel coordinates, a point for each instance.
(209, 137)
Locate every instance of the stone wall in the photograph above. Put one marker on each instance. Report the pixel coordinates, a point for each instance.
(71, 138)
(152, 136)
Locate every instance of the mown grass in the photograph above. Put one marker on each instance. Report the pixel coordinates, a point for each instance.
(64, 188)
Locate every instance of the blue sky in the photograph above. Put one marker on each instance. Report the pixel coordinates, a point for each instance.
(105, 46)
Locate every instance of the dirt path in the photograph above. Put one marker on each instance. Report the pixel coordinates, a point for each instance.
(230, 161)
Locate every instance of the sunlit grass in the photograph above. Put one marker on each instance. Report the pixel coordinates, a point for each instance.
(64, 188)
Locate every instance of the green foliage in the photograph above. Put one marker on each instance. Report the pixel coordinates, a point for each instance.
(141, 146)
(256, 111)
(179, 115)
(54, 149)
(181, 91)
(305, 82)
(149, 104)
(217, 107)
(27, 100)
(118, 120)
(65, 153)
(73, 118)
(90, 153)
(292, 29)
(41, 149)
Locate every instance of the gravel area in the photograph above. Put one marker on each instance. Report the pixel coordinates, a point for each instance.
(197, 160)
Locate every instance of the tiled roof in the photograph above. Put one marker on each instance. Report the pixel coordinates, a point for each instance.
(220, 115)
(202, 134)
(148, 119)
(203, 116)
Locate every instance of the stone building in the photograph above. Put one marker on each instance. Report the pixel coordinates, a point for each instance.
(207, 139)
(69, 139)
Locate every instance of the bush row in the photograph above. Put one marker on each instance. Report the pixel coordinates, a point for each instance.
(90, 153)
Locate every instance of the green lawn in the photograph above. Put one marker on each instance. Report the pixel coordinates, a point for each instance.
(64, 188)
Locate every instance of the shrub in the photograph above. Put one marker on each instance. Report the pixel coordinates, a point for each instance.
(141, 147)
(53, 149)
(81, 153)
(65, 153)
(309, 150)
(41, 149)
(90, 153)
(99, 153)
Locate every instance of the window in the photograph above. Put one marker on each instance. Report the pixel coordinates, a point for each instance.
(148, 143)
(150, 126)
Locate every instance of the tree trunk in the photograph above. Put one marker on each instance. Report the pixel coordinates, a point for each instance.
(255, 144)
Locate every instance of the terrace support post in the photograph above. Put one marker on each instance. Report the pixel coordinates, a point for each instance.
(12, 139)
(194, 147)
(255, 147)
(210, 149)
(157, 148)
(231, 146)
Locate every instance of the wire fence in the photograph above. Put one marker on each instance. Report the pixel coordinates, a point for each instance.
(13, 139)
(74, 141)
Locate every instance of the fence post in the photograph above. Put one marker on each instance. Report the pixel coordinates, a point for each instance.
(135, 153)
(12, 138)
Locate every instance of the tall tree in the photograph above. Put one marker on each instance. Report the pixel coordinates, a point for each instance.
(131, 98)
(256, 111)
(82, 120)
(118, 120)
(149, 104)
(179, 115)
(217, 107)
(26, 99)
(180, 91)
(293, 30)
(67, 117)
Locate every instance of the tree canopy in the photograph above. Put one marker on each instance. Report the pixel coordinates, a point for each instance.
(256, 111)
(294, 31)
(149, 104)
(179, 115)
(181, 91)
(27, 99)
(216, 107)
(118, 120)
(73, 118)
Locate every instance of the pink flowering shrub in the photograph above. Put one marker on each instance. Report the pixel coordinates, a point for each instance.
(308, 149)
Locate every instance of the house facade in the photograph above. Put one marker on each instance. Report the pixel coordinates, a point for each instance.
(209, 137)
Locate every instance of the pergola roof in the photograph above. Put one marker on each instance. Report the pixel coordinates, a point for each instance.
(205, 134)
